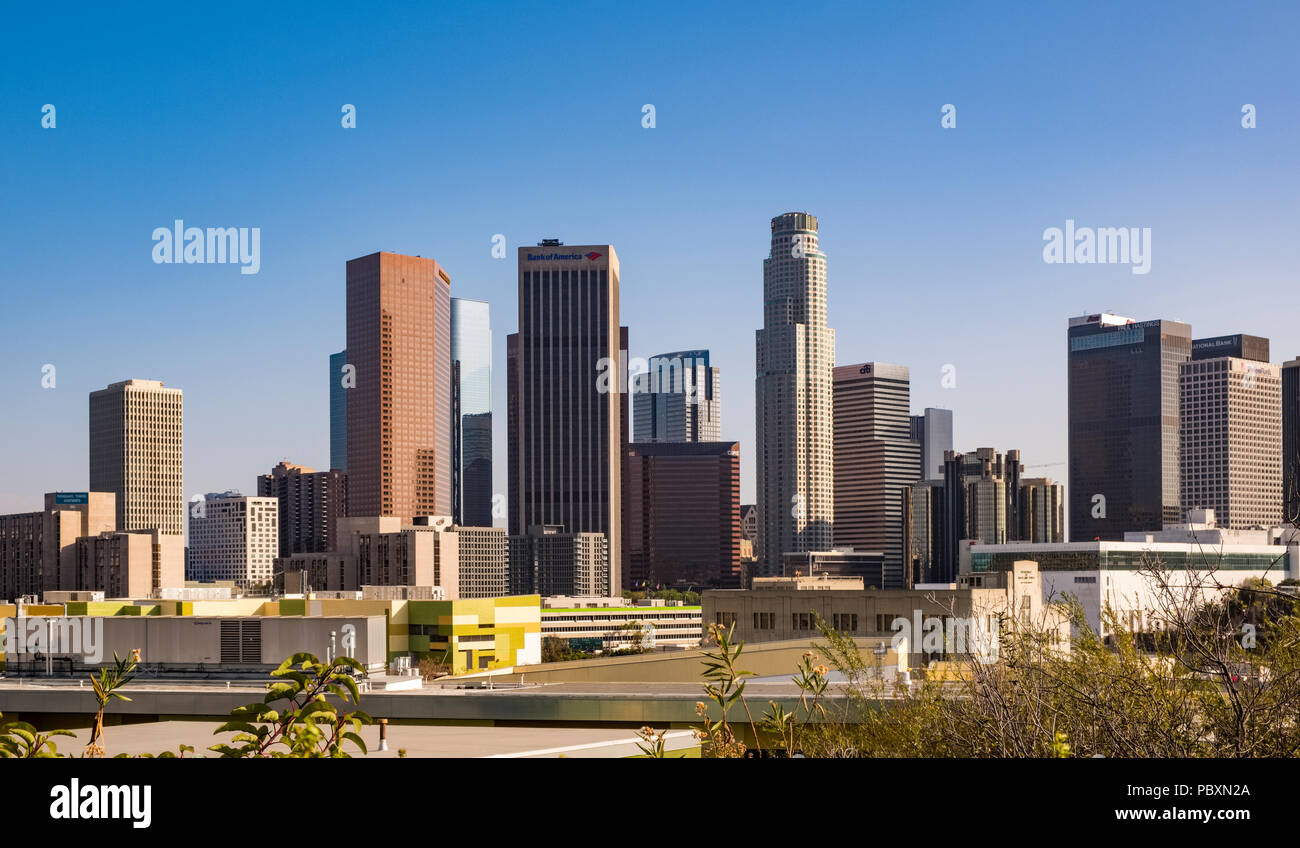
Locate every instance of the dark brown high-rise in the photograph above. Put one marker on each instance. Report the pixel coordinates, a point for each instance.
(311, 504)
(399, 410)
(565, 409)
(683, 513)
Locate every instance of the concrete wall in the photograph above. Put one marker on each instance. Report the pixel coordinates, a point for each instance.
(769, 659)
(193, 643)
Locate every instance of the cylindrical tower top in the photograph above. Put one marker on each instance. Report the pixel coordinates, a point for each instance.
(791, 222)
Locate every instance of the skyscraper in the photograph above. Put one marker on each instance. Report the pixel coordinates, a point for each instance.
(1291, 441)
(471, 363)
(980, 501)
(677, 400)
(795, 353)
(932, 430)
(1231, 431)
(982, 497)
(875, 458)
(683, 515)
(136, 433)
(311, 505)
(1123, 424)
(1042, 511)
(399, 413)
(566, 370)
(339, 411)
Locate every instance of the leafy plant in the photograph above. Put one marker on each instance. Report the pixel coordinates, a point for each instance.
(105, 685)
(726, 686)
(20, 741)
(308, 724)
(653, 743)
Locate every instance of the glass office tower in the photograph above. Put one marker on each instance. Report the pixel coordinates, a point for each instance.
(1124, 424)
(338, 412)
(471, 362)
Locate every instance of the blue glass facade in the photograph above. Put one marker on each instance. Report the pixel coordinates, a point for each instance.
(471, 355)
(338, 413)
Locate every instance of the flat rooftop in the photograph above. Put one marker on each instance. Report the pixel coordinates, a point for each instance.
(417, 740)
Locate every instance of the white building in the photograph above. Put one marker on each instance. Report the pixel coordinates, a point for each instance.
(233, 537)
(1196, 559)
(794, 397)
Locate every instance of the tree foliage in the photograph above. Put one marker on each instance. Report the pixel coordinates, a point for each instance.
(306, 724)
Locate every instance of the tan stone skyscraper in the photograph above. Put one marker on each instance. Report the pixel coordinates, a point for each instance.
(794, 399)
(1230, 416)
(136, 430)
(399, 410)
(875, 459)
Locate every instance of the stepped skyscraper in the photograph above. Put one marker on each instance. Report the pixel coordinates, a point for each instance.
(794, 396)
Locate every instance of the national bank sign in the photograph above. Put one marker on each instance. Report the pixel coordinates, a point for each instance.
(71, 498)
(551, 257)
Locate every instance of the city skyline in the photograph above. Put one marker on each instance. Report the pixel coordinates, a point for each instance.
(1022, 158)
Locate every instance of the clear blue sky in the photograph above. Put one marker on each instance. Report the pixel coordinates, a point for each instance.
(484, 118)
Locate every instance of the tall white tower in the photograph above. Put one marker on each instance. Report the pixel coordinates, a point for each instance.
(794, 396)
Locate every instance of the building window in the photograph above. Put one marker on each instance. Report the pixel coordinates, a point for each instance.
(726, 619)
(845, 622)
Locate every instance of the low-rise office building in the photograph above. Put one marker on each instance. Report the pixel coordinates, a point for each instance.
(1115, 576)
(460, 635)
(591, 626)
(120, 565)
(548, 561)
(844, 562)
(190, 644)
(38, 549)
(791, 608)
(430, 551)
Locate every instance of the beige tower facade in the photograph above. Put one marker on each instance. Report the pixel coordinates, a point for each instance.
(794, 396)
(875, 459)
(136, 435)
(1230, 416)
(69, 516)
